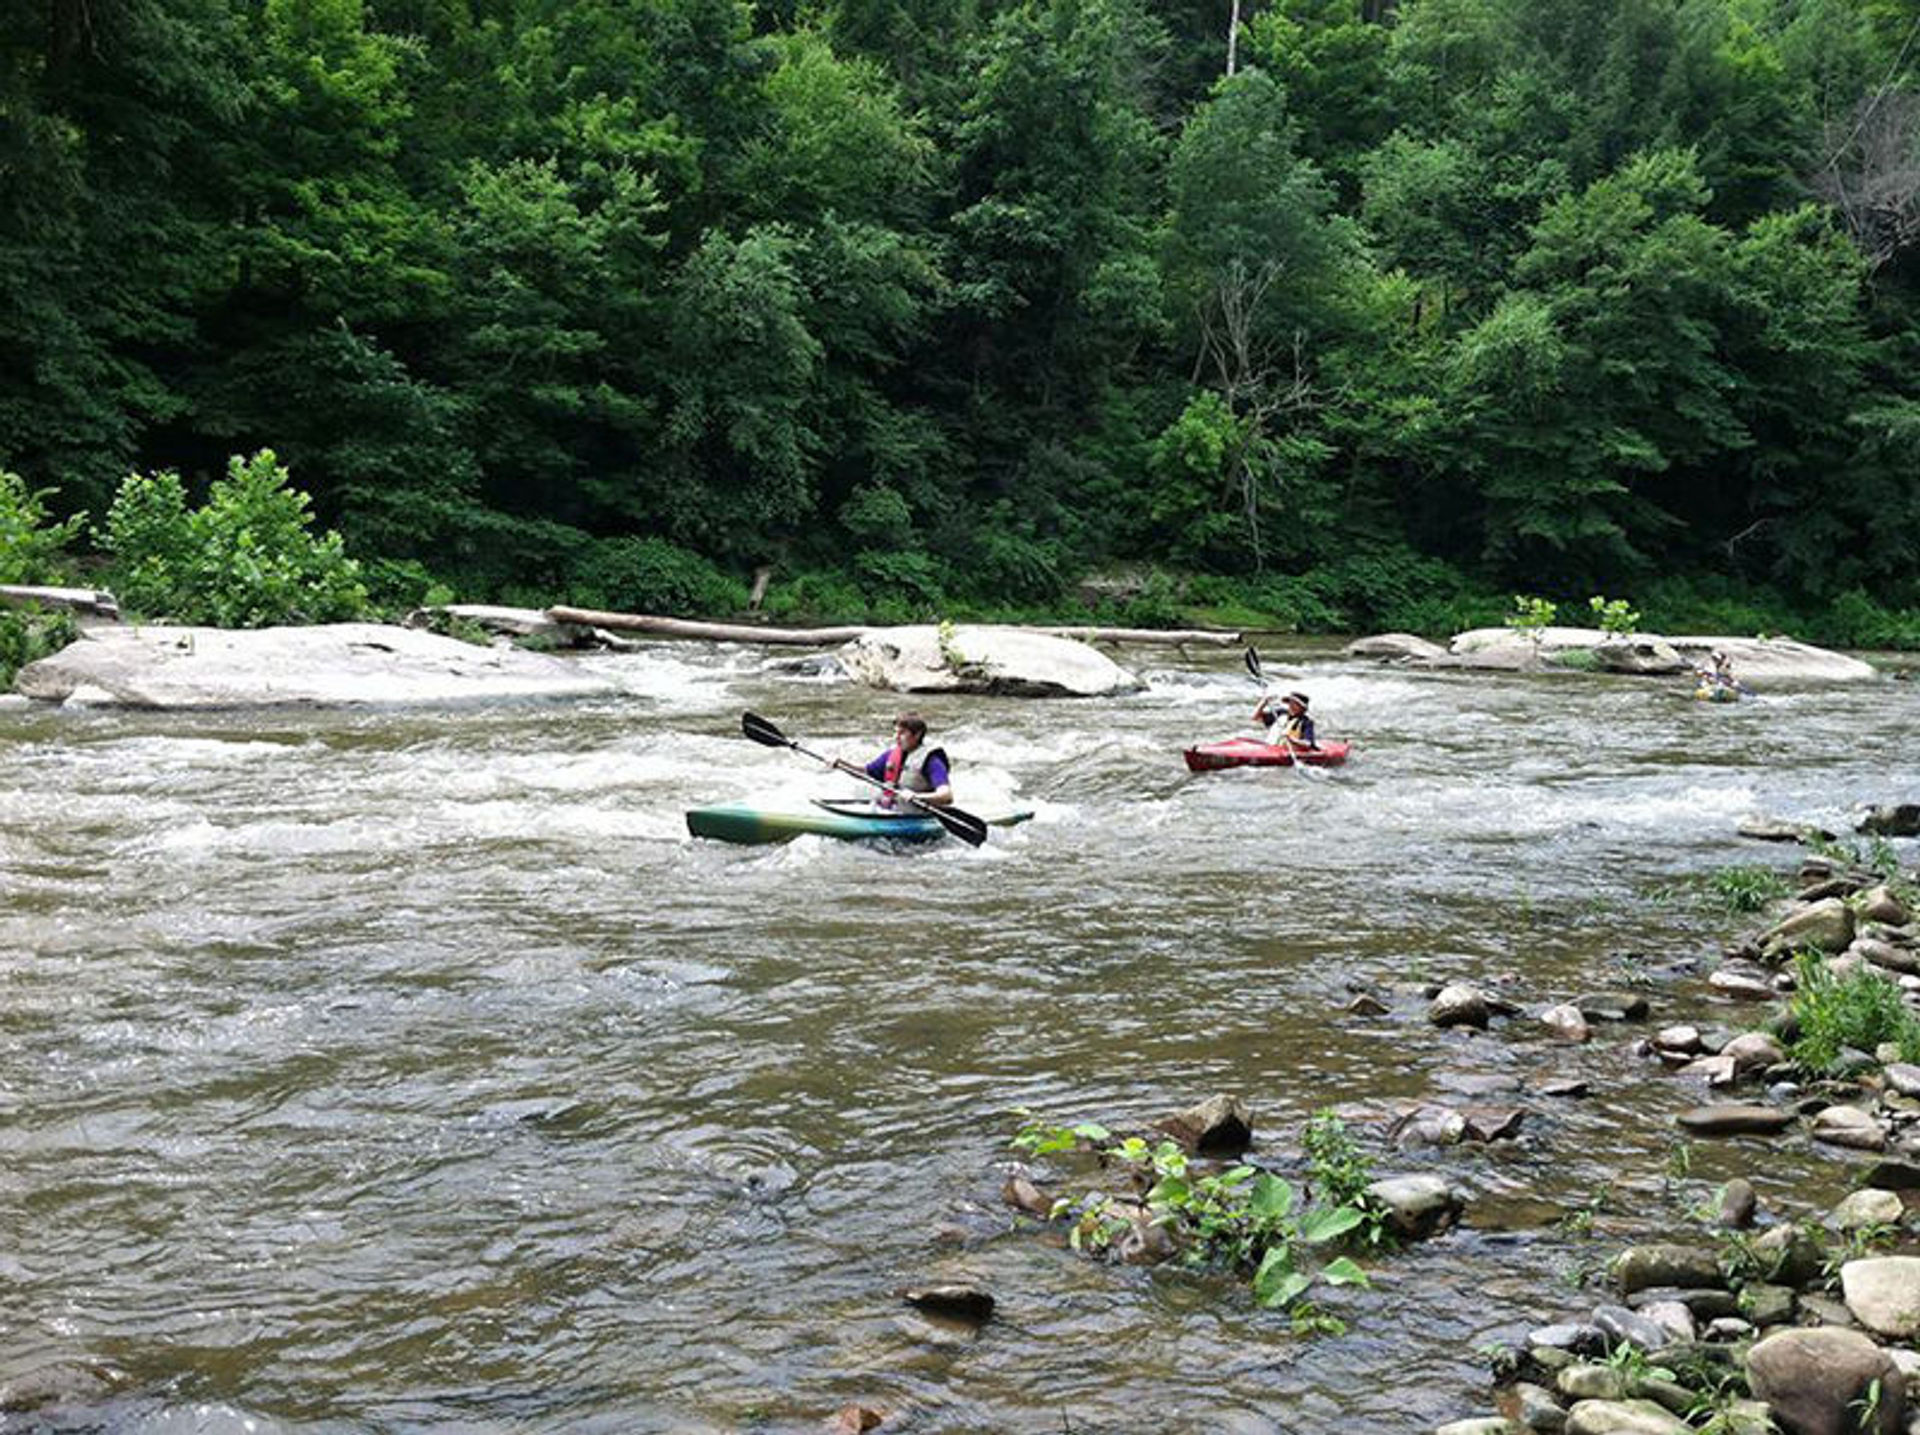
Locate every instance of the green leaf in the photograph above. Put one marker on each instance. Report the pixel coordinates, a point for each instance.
(1318, 1227)
(1343, 1272)
(1276, 1283)
(1272, 1198)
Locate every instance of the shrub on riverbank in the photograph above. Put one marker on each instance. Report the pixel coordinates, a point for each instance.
(32, 546)
(30, 633)
(246, 558)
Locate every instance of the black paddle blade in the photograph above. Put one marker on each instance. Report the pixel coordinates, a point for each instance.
(1253, 666)
(763, 732)
(964, 825)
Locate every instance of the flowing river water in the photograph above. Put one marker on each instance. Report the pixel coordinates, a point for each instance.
(401, 1071)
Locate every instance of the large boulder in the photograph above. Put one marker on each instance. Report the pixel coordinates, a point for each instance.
(1006, 662)
(1396, 648)
(1764, 660)
(335, 665)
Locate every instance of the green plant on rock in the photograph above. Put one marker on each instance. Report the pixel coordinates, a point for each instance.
(1038, 1138)
(1744, 1261)
(1614, 615)
(1239, 1218)
(1858, 1009)
(1866, 1409)
(1531, 616)
(1634, 1366)
(950, 654)
(1746, 889)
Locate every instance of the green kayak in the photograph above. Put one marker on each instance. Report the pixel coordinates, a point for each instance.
(855, 821)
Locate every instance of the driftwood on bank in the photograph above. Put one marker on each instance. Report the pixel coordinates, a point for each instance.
(830, 637)
(79, 600)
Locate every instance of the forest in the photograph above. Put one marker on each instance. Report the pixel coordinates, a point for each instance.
(1333, 314)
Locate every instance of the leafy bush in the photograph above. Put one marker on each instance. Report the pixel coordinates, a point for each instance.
(1614, 615)
(1855, 620)
(1155, 605)
(1240, 1218)
(901, 585)
(816, 597)
(29, 633)
(245, 559)
(1011, 566)
(1392, 587)
(399, 585)
(1860, 1010)
(30, 546)
(651, 575)
(1717, 605)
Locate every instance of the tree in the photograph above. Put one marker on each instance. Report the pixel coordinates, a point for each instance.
(1257, 265)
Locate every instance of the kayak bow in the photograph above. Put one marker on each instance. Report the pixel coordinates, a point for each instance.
(1251, 752)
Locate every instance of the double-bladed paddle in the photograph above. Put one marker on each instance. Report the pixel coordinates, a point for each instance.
(964, 825)
(1294, 749)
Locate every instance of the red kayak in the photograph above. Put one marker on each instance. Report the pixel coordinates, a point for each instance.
(1251, 752)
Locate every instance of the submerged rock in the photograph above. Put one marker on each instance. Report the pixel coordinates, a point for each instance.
(1219, 1126)
(1900, 819)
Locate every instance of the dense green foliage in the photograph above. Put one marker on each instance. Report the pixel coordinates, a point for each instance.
(246, 558)
(32, 545)
(929, 306)
(26, 634)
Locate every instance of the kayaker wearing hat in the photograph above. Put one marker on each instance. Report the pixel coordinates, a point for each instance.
(1287, 724)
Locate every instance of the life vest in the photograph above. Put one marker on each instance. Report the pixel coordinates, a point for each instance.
(909, 770)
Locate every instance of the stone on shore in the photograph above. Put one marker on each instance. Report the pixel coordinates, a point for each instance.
(1883, 1292)
(1815, 1380)
(1002, 662)
(332, 665)
(1623, 1417)
(1689, 1267)
(1736, 1119)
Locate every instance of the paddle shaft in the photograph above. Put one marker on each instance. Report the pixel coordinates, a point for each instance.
(964, 825)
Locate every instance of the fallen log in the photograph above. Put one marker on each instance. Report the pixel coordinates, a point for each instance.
(79, 600)
(714, 632)
(830, 637)
(1173, 637)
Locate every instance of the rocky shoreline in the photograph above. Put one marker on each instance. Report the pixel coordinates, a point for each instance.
(1802, 1321)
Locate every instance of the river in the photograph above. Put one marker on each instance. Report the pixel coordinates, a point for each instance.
(400, 1071)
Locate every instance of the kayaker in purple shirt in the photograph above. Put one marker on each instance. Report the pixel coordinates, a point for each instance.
(911, 765)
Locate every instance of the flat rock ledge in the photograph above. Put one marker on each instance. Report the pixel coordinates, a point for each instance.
(1756, 660)
(335, 665)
